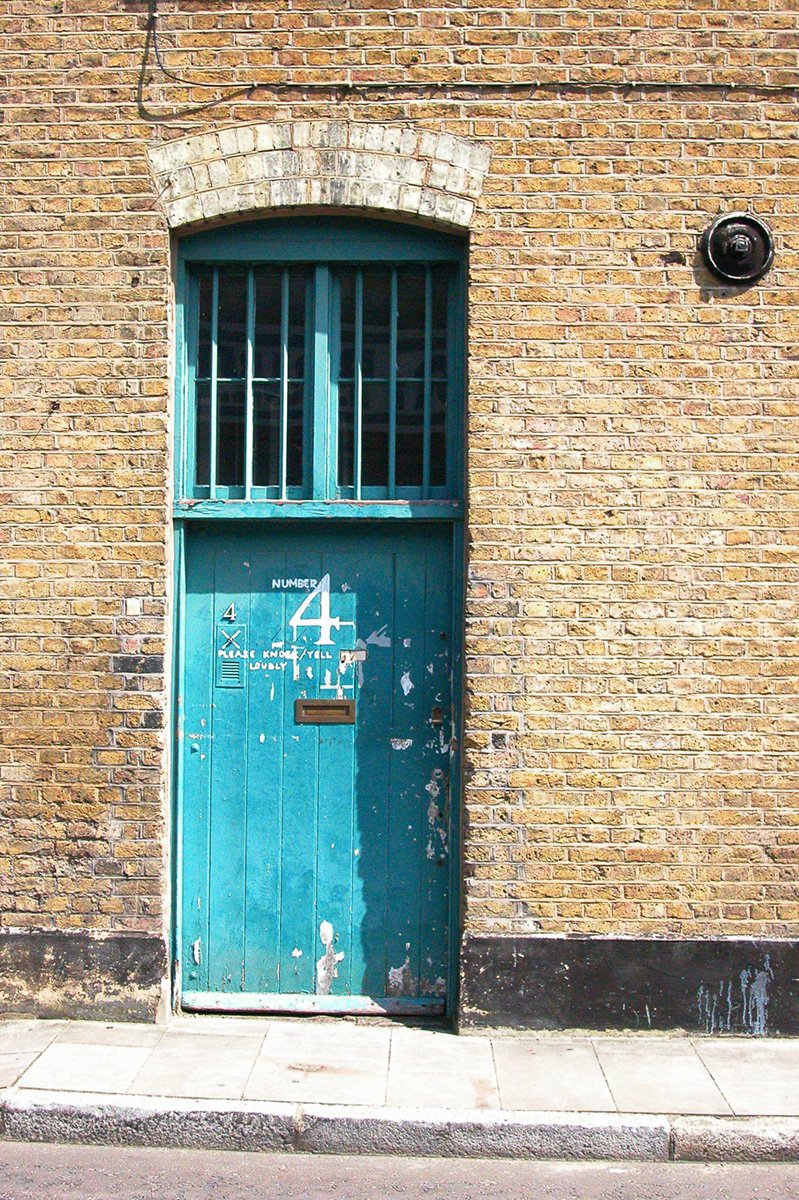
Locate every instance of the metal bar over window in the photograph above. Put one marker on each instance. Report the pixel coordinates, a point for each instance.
(358, 382)
(248, 396)
(428, 374)
(214, 364)
(392, 391)
(284, 379)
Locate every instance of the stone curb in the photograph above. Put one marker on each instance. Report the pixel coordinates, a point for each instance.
(329, 1129)
(736, 1139)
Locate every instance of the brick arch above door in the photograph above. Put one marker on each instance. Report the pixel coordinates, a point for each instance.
(252, 168)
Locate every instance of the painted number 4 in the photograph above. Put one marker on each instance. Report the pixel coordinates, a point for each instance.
(230, 613)
(324, 622)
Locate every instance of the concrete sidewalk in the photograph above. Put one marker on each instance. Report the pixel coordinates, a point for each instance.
(337, 1085)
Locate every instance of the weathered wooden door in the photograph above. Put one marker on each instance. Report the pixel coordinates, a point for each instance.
(315, 740)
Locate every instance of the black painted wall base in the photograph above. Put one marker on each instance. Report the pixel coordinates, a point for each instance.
(529, 982)
(75, 975)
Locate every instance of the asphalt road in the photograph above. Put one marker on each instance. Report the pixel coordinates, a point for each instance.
(44, 1172)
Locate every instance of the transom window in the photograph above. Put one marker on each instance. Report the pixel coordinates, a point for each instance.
(321, 372)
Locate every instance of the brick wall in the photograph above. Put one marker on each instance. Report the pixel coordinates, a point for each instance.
(632, 602)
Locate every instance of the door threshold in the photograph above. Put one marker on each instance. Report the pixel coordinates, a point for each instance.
(273, 1002)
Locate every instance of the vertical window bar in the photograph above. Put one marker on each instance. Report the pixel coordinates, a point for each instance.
(358, 381)
(284, 379)
(428, 373)
(214, 360)
(321, 387)
(249, 445)
(392, 390)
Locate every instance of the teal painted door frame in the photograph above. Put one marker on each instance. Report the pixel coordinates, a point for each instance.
(343, 522)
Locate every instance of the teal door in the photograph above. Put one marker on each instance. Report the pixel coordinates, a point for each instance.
(316, 737)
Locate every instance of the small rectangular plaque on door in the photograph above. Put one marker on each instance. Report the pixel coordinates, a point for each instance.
(324, 712)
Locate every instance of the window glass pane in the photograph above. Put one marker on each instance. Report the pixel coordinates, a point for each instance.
(346, 435)
(440, 314)
(232, 324)
(206, 286)
(266, 434)
(299, 284)
(230, 435)
(202, 436)
(376, 323)
(410, 325)
(347, 318)
(295, 434)
(374, 439)
(410, 434)
(438, 441)
(266, 356)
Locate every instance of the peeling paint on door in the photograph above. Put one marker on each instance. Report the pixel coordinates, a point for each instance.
(327, 965)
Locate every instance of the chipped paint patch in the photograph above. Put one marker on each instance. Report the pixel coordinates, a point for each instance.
(296, 952)
(437, 816)
(379, 637)
(195, 952)
(402, 743)
(401, 981)
(262, 738)
(327, 965)
(406, 643)
(406, 683)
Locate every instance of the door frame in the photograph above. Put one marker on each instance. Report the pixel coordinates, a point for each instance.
(240, 242)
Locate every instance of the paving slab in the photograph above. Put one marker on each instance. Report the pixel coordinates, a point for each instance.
(757, 1078)
(658, 1076)
(212, 1026)
(13, 1065)
(321, 1064)
(69, 1067)
(96, 1033)
(17, 1037)
(187, 1065)
(561, 1075)
(437, 1067)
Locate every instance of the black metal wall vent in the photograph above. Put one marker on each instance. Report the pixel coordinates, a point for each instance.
(738, 248)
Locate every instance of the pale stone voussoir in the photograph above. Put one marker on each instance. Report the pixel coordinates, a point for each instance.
(337, 164)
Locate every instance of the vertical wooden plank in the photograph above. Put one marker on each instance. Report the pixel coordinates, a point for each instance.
(299, 932)
(229, 775)
(392, 391)
(457, 534)
(407, 841)
(374, 584)
(214, 384)
(321, 386)
(265, 778)
(248, 397)
(435, 557)
(336, 800)
(358, 382)
(196, 750)
(284, 378)
(428, 373)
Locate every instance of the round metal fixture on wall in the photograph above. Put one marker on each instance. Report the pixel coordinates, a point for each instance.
(738, 248)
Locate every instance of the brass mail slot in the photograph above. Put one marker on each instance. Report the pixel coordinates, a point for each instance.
(324, 712)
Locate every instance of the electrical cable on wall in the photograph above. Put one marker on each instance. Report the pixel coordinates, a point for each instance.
(422, 86)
